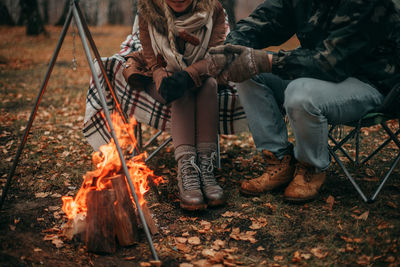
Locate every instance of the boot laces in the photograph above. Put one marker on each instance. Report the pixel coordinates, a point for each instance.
(190, 174)
(273, 167)
(207, 169)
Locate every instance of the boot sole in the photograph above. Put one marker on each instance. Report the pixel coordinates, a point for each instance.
(193, 207)
(300, 200)
(303, 200)
(216, 203)
(251, 193)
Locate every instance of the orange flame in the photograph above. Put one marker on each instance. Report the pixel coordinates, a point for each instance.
(109, 164)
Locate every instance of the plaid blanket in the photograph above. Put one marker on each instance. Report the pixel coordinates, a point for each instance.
(142, 106)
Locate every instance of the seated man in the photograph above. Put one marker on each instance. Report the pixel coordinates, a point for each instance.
(348, 60)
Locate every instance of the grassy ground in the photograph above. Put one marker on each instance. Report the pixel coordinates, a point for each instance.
(334, 230)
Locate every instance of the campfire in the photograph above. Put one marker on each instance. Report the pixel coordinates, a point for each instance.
(103, 210)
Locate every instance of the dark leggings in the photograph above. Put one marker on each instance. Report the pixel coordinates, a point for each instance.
(194, 117)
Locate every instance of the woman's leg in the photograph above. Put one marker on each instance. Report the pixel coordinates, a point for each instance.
(207, 118)
(207, 113)
(183, 138)
(183, 125)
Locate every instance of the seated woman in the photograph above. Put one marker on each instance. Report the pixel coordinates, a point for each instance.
(192, 118)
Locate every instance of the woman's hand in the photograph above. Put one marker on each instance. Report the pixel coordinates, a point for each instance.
(174, 86)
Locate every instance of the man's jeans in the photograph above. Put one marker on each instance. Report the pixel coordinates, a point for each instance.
(310, 105)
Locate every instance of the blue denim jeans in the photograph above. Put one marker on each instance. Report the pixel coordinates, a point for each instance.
(310, 105)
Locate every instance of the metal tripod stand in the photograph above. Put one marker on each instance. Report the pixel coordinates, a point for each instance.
(85, 35)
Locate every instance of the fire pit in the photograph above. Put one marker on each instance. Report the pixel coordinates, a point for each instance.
(103, 213)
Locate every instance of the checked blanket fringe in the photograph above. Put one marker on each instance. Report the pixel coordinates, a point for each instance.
(143, 107)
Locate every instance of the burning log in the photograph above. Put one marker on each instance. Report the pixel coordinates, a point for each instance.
(100, 229)
(126, 226)
(149, 219)
(125, 208)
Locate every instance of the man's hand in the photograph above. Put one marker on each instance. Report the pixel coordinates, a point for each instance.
(246, 63)
(218, 62)
(174, 86)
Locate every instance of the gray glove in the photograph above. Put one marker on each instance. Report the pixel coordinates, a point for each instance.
(246, 63)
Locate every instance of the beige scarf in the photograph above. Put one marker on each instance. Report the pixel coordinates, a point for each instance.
(199, 24)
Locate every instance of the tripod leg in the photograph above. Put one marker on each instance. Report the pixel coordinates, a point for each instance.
(108, 117)
(98, 58)
(36, 106)
(96, 53)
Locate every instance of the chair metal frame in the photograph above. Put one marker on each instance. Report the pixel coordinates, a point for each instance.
(365, 121)
(143, 147)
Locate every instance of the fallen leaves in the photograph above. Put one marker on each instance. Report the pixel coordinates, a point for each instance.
(363, 216)
(194, 240)
(258, 223)
(319, 253)
(55, 240)
(244, 236)
(330, 201)
(42, 194)
(231, 214)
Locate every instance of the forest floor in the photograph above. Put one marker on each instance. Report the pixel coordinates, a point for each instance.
(336, 229)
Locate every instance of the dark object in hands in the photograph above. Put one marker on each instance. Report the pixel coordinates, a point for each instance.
(174, 86)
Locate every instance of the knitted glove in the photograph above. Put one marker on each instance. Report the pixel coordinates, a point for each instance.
(247, 62)
(174, 86)
(218, 62)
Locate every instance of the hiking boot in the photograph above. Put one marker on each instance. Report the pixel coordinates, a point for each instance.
(207, 157)
(306, 183)
(278, 173)
(190, 193)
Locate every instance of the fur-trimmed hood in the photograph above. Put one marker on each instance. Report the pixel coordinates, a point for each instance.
(152, 11)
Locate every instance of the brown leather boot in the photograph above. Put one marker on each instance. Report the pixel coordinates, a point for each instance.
(189, 179)
(207, 155)
(306, 183)
(278, 173)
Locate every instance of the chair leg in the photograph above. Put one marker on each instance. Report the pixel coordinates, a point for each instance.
(339, 144)
(152, 139)
(218, 153)
(166, 142)
(360, 192)
(357, 156)
(396, 161)
(139, 134)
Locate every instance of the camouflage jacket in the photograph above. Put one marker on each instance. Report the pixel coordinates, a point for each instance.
(339, 38)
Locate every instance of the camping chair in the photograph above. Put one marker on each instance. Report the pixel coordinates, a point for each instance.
(382, 116)
(145, 109)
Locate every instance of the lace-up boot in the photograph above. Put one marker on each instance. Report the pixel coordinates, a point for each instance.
(189, 179)
(306, 183)
(278, 173)
(207, 156)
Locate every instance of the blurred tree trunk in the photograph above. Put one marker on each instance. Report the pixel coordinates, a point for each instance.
(31, 17)
(114, 12)
(45, 8)
(229, 6)
(5, 17)
(64, 14)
